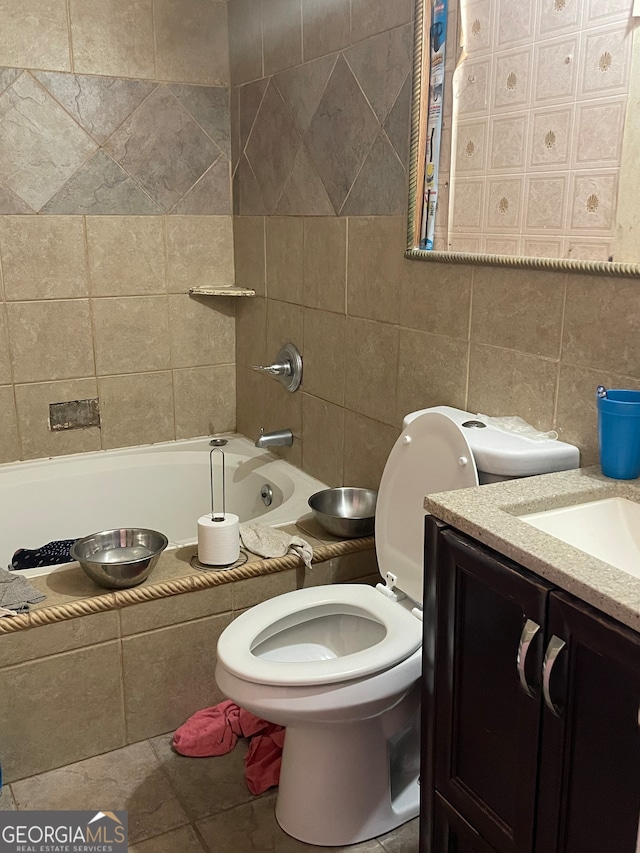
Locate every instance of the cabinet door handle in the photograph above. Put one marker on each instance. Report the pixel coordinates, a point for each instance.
(556, 645)
(529, 631)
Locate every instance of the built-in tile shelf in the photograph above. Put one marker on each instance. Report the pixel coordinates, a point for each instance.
(204, 290)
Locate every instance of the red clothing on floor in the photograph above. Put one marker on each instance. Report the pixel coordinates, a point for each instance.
(215, 731)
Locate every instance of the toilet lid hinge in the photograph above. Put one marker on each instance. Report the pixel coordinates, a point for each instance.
(389, 588)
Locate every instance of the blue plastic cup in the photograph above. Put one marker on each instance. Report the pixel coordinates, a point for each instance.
(619, 434)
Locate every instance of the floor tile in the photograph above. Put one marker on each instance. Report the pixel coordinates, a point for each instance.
(130, 778)
(183, 840)
(205, 786)
(162, 790)
(7, 803)
(404, 839)
(252, 828)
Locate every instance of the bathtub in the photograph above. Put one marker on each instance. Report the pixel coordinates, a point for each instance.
(164, 487)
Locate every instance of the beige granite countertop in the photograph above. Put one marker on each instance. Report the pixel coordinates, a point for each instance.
(489, 514)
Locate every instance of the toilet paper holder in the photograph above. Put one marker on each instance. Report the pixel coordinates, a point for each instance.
(224, 486)
(218, 535)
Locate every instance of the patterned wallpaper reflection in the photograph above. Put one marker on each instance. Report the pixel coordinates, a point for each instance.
(539, 107)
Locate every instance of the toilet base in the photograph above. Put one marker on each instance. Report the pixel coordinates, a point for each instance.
(344, 784)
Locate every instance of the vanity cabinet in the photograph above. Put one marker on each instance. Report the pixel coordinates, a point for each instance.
(531, 740)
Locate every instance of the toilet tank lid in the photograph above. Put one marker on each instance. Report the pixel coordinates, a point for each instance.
(506, 454)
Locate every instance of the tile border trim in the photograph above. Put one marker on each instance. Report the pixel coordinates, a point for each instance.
(191, 583)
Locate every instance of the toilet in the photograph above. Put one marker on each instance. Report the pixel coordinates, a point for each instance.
(339, 665)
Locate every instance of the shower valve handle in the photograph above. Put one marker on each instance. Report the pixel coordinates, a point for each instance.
(283, 369)
(287, 367)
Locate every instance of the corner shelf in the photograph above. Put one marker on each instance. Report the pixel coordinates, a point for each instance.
(213, 290)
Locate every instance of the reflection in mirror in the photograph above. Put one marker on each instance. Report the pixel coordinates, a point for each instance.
(525, 127)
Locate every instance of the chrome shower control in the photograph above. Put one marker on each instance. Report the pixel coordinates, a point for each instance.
(287, 367)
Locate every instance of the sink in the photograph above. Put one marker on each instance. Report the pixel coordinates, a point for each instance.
(608, 529)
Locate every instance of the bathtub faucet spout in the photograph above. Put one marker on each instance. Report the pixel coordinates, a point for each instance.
(277, 438)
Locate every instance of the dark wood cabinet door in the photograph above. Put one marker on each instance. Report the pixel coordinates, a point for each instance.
(452, 834)
(489, 660)
(589, 795)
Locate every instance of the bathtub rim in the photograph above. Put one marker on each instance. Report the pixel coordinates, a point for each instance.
(117, 599)
(102, 601)
(278, 471)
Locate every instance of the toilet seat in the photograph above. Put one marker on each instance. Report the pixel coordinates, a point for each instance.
(377, 631)
(399, 633)
(431, 455)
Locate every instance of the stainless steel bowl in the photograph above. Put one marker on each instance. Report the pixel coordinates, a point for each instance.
(119, 558)
(345, 512)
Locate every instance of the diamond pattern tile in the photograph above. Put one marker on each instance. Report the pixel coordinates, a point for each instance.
(250, 97)
(211, 196)
(341, 133)
(398, 122)
(98, 104)
(247, 195)
(272, 146)
(11, 203)
(101, 187)
(163, 148)
(302, 88)
(304, 193)
(8, 76)
(381, 65)
(209, 105)
(380, 188)
(41, 146)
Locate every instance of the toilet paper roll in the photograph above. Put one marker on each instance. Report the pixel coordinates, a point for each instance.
(219, 540)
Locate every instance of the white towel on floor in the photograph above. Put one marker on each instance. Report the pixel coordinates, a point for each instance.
(270, 542)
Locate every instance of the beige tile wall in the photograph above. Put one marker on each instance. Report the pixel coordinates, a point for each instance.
(97, 305)
(75, 689)
(381, 335)
(497, 341)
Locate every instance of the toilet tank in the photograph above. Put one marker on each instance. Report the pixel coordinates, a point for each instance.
(501, 455)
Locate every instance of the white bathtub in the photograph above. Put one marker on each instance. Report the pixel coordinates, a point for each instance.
(164, 487)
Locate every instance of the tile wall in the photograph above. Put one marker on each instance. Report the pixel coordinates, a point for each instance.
(109, 679)
(115, 198)
(380, 335)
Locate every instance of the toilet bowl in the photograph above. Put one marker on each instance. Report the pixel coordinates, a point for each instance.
(340, 665)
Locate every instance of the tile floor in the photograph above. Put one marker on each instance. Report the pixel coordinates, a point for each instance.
(178, 804)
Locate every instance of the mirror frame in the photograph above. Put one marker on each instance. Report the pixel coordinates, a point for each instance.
(422, 20)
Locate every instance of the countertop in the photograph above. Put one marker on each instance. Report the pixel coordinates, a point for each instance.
(488, 514)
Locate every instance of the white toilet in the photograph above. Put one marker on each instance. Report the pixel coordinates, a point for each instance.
(340, 665)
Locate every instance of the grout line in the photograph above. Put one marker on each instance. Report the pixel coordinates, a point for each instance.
(167, 297)
(469, 346)
(123, 703)
(153, 27)
(70, 36)
(554, 415)
(345, 305)
(9, 351)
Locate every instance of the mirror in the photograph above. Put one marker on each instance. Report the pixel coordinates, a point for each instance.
(525, 137)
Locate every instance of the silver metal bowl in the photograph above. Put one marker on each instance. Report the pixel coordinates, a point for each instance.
(119, 558)
(345, 512)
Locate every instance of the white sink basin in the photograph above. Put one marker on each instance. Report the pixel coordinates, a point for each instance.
(608, 529)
